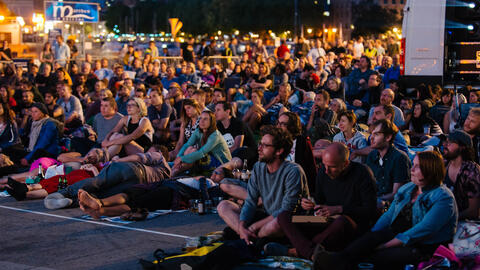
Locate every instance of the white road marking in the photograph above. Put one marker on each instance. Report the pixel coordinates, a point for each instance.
(94, 222)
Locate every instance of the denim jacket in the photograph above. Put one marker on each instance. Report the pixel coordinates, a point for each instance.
(434, 213)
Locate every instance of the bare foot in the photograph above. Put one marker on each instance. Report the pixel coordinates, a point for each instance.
(87, 201)
(95, 214)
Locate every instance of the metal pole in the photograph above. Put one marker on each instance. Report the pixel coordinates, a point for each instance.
(83, 40)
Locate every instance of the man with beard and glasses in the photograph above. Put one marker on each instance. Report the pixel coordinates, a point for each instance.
(472, 127)
(279, 183)
(463, 175)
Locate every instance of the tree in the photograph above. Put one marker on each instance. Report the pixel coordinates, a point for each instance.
(370, 18)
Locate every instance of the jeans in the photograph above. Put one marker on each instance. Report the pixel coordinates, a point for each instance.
(113, 179)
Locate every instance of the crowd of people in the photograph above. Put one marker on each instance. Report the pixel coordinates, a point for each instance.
(326, 129)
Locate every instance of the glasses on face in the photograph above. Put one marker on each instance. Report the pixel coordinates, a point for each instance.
(263, 145)
(282, 124)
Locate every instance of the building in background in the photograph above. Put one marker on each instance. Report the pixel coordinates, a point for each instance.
(393, 4)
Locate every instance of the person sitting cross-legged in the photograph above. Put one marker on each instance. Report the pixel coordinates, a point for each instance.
(345, 194)
(422, 217)
(279, 183)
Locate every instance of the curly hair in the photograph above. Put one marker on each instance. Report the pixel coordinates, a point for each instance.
(281, 139)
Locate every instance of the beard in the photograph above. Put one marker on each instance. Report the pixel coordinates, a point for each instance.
(474, 131)
(451, 155)
(266, 159)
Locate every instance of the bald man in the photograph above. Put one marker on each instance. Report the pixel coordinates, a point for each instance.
(386, 98)
(344, 193)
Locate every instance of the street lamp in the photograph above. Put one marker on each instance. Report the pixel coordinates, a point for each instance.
(334, 30)
(309, 30)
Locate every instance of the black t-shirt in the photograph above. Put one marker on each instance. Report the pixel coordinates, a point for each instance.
(236, 128)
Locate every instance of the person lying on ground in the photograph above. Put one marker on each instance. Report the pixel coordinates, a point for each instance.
(21, 191)
(115, 177)
(138, 199)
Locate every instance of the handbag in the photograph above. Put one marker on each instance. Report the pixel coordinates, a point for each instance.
(466, 242)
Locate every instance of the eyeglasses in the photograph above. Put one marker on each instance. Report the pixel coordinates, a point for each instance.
(283, 124)
(377, 133)
(263, 145)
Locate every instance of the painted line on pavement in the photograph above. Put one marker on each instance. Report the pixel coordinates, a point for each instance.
(94, 222)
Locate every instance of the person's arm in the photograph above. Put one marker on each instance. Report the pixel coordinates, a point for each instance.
(118, 127)
(196, 136)
(212, 141)
(264, 85)
(130, 158)
(440, 213)
(160, 123)
(389, 196)
(274, 100)
(255, 227)
(361, 152)
(70, 157)
(5, 56)
(238, 143)
(312, 117)
(294, 181)
(392, 243)
(142, 128)
(57, 112)
(386, 218)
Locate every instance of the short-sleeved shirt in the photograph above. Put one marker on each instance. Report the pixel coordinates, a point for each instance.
(103, 126)
(155, 114)
(236, 128)
(155, 166)
(467, 184)
(394, 167)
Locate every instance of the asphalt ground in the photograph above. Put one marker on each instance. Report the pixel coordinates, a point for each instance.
(33, 237)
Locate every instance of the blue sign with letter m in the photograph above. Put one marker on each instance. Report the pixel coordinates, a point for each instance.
(71, 11)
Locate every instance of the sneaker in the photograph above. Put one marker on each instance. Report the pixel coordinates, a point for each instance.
(275, 249)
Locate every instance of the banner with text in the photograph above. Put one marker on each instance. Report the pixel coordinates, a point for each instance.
(71, 11)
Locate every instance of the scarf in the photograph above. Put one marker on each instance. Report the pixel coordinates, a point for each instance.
(35, 132)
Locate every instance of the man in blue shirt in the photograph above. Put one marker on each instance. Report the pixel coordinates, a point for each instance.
(62, 52)
(382, 112)
(390, 166)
